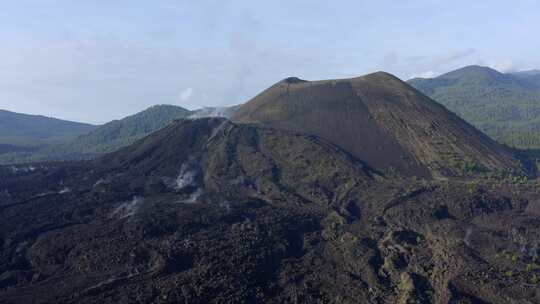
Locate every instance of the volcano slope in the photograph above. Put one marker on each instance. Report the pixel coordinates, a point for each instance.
(209, 211)
(380, 120)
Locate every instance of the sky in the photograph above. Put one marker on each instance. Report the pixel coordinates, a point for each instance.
(97, 60)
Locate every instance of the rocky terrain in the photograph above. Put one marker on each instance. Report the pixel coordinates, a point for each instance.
(268, 208)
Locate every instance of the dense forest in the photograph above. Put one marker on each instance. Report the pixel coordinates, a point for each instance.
(505, 106)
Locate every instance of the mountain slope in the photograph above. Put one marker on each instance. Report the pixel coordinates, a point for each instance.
(119, 133)
(505, 106)
(209, 211)
(32, 130)
(380, 120)
(106, 138)
(531, 77)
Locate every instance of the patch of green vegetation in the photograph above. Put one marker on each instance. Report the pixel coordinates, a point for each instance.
(465, 167)
(333, 224)
(510, 256)
(532, 267)
(514, 258)
(405, 284)
(472, 187)
(505, 176)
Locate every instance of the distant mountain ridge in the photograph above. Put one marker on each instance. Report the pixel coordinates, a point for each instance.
(118, 133)
(506, 106)
(33, 130)
(527, 73)
(103, 139)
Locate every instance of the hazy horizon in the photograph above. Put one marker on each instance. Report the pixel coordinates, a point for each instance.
(98, 61)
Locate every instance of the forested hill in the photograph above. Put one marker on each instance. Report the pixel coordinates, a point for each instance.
(25, 130)
(506, 106)
(106, 138)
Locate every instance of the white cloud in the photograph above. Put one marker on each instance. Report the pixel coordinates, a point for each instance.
(504, 66)
(186, 94)
(427, 74)
(425, 66)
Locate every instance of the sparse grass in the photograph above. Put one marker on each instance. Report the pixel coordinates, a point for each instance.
(464, 167)
(514, 258)
(532, 267)
(472, 187)
(405, 284)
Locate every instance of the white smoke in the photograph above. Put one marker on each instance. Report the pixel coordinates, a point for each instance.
(186, 183)
(220, 129)
(99, 182)
(186, 178)
(533, 252)
(193, 197)
(212, 112)
(42, 194)
(426, 74)
(65, 190)
(468, 235)
(127, 209)
(186, 94)
(504, 66)
(24, 169)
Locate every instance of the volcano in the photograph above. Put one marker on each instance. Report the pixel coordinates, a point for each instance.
(381, 120)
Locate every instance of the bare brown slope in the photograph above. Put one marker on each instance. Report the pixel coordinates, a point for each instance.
(380, 120)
